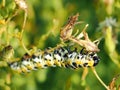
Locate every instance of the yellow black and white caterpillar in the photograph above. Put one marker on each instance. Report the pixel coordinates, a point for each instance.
(60, 56)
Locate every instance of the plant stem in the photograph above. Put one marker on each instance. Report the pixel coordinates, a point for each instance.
(21, 34)
(95, 73)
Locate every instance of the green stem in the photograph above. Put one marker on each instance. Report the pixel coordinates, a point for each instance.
(100, 80)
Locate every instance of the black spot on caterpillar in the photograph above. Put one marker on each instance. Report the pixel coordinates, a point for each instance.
(61, 57)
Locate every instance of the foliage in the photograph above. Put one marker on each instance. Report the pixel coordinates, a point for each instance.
(42, 29)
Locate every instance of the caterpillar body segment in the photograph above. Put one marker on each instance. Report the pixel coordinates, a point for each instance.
(61, 57)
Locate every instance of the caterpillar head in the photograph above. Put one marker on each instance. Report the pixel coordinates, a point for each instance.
(95, 58)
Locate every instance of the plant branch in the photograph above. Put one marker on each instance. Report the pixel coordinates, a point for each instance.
(99, 79)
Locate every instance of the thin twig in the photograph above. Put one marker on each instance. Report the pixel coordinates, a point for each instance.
(24, 22)
(99, 79)
(21, 34)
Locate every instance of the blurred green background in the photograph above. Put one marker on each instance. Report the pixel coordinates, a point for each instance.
(44, 21)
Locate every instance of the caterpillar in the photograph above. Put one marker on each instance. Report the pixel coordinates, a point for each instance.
(61, 56)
